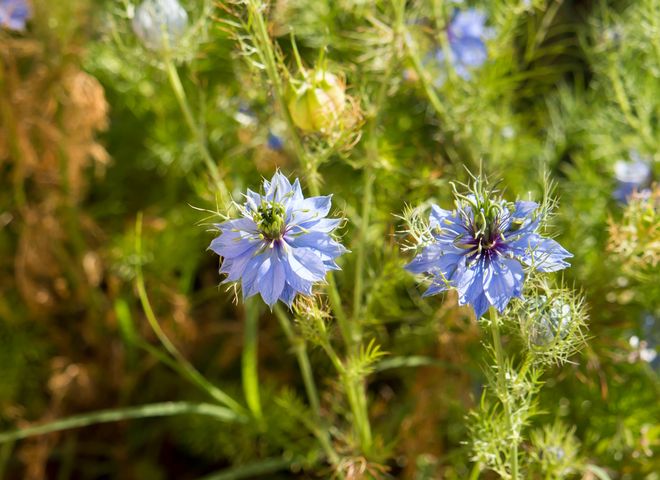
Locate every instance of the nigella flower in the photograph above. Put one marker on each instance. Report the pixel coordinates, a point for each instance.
(631, 176)
(281, 245)
(160, 24)
(14, 14)
(466, 34)
(480, 248)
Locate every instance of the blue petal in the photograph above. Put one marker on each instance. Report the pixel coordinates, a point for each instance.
(288, 294)
(253, 200)
(234, 244)
(469, 22)
(426, 260)
(437, 286)
(239, 224)
(304, 263)
(298, 276)
(462, 71)
(523, 209)
(297, 191)
(480, 305)
(234, 267)
(438, 216)
(503, 280)
(324, 225)
(469, 52)
(469, 283)
(312, 208)
(271, 279)
(325, 245)
(249, 281)
(281, 187)
(544, 254)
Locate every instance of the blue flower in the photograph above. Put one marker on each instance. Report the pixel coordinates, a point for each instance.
(275, 142)
(466, 33)
(631, 176)
(480, 248)
(160, 24)
(14, 14)
(281, 245)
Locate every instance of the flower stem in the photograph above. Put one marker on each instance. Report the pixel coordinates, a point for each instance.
(266, 52)
(190, 371)
(300, 347)
(249, 358)
(269, 467)
(502, 388)
(411, 48)
(182, 100)
(115, 415)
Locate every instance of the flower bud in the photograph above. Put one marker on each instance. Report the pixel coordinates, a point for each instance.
(160, 24)
(319, 103)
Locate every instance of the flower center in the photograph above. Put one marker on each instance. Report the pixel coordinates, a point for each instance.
(486, 230)
(270, 220)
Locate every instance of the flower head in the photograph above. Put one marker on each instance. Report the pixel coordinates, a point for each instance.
(631, 176)
(466, 34)
(160, 24)
(281, 245)
(480, 248)
(14, 14)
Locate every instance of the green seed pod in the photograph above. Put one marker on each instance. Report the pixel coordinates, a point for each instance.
(319, 103)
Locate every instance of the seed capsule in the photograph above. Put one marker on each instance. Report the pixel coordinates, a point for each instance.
(160, 24)
(554, 320)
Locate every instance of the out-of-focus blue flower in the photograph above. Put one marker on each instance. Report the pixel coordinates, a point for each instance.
(480, 247)
(275, 142)
(160, 24)
(14, 14)
(631, 176)
(466, 34)
(282, 244)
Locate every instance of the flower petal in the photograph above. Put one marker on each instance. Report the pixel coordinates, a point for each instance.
(503, 280)
(271, 278)
(544, 254)
(235, 244)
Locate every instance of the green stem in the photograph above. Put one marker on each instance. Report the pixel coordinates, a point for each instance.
(263, 467)
(411, 48)
(300, 347)
(340, 315)
(267, 54)
(191, 372)
(502, 389)
(476, 470)
(249, 359)
(105, 416)
(5, 454)
(182, 100)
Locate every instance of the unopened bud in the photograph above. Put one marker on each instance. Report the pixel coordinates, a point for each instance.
(319, 103)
